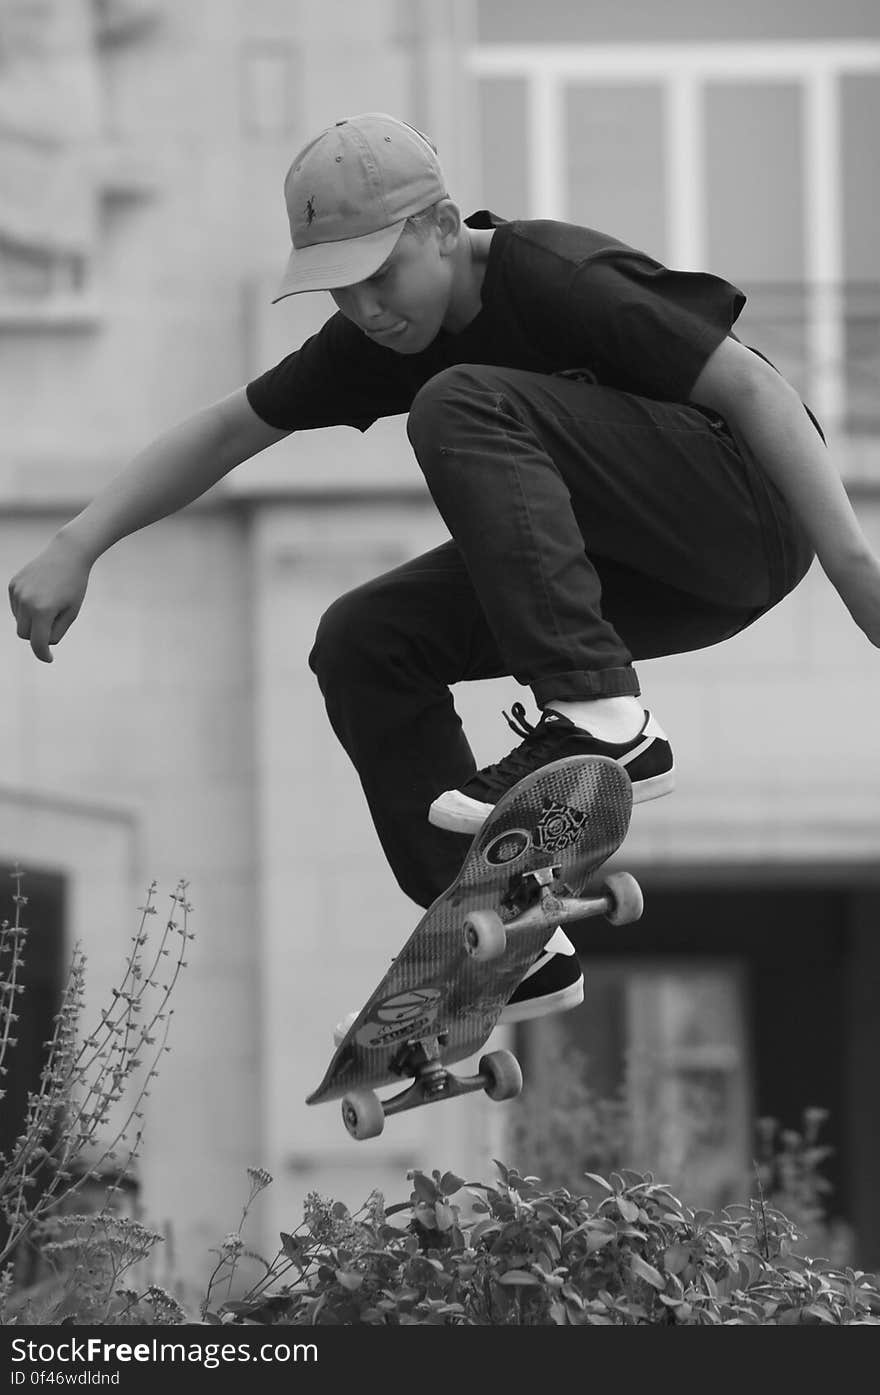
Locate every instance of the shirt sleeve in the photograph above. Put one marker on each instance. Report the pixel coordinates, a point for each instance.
(336, 378)
(645, 329)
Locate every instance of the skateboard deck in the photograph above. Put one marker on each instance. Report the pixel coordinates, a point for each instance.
(440, 999)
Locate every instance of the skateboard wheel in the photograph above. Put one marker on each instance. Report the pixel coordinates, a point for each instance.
(484, 935)
(502, 1075)
(362, 1114)
(625, 896)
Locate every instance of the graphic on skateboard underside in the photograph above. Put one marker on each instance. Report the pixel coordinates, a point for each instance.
(569, 816)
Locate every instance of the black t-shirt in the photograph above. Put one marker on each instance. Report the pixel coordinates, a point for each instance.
(555, 298)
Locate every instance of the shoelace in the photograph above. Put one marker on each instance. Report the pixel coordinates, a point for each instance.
(517, 721)
(521, 759)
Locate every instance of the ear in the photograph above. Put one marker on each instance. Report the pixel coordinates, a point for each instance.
(448, 221)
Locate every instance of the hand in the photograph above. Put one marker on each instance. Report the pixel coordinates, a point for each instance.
(858, 585)
(46, 595)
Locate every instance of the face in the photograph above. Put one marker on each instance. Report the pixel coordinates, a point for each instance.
(403, 305)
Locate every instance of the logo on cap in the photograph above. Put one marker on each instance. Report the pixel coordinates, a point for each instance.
(311, 211)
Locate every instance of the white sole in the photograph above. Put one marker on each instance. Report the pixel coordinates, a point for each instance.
(561, 1001)
(458, 813)
(653, 788)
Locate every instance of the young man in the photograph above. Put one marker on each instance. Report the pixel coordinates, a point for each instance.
(621, 478)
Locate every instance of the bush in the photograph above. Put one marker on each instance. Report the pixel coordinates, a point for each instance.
(474, 1254)
(83, 1125)
(524, 1256)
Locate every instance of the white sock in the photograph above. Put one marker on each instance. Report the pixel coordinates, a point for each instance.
(615, 719)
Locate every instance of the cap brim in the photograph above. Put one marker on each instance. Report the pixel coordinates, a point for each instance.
(328, 266)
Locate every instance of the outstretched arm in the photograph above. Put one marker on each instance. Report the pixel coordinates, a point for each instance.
(175, 469)
(764, 410)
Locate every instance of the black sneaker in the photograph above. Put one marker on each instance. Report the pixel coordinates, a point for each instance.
(647, 760)
(554, 983)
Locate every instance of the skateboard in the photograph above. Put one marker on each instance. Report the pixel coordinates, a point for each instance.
(526, 871)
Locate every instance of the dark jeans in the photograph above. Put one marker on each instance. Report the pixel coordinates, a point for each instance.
(589, 528)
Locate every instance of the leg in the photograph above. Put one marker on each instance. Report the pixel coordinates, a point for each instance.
(542, 480)
(384, 656)
(532, 473)
(658, 619)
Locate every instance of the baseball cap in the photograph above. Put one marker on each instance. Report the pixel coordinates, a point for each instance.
(349, 192)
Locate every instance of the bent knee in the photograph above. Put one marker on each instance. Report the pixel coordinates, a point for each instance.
(465, 389)
(355, 634)
(337, 633)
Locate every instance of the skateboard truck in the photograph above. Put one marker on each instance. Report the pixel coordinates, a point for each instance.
(364, 1113)
(619, 900)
